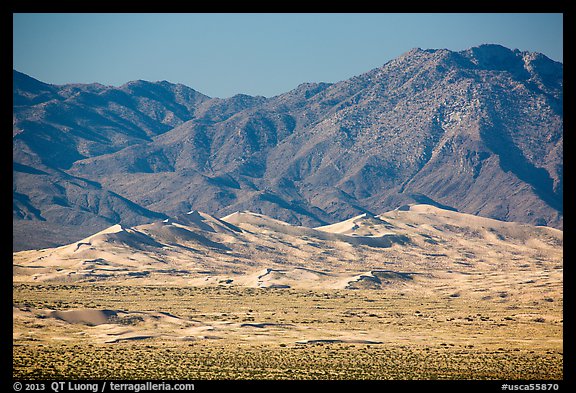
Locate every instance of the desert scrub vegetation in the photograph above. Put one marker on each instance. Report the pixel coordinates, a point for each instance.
(210, 360)
(250, 333)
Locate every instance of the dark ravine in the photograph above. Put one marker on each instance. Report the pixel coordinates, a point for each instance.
(478, 131)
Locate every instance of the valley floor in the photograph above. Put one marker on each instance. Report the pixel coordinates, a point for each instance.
(123, 331)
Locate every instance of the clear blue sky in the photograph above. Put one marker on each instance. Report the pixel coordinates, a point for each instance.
(258, 54)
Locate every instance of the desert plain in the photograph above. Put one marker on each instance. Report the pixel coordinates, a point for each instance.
(415, 293)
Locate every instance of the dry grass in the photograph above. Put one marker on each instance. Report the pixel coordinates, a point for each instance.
(249, 333)
(215, 360)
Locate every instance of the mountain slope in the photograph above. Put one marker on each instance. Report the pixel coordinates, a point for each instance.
(55, 126)
(432, 126)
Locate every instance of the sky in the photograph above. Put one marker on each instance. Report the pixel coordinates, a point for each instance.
(221, 55)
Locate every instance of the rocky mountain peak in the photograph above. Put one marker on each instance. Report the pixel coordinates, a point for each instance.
(432, 126)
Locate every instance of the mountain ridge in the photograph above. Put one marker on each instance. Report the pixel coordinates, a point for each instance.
(431, 125)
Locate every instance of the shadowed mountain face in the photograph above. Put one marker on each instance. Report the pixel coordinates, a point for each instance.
(478, 131)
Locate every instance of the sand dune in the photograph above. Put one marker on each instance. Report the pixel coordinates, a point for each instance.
(450, 221)
(418, 278)
(362, 225)
(376, 279)
(418, 246)
(359, 230)
(88, 317)
(206, 222)
(113, 326)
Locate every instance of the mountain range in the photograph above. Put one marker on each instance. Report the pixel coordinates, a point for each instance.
(478, 131)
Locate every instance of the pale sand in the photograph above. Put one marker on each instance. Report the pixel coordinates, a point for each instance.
(416, 248)
(416, 279)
